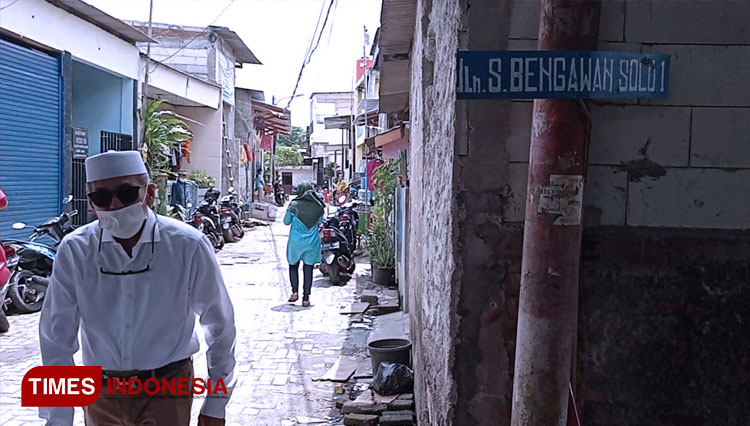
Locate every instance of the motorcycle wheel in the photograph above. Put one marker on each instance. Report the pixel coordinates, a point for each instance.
(219, 241)
(238, 231)
(336, 276)
(228, 235)
(4, 324)
(26, 294)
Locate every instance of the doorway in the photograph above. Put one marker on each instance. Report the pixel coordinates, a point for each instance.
(286, 182)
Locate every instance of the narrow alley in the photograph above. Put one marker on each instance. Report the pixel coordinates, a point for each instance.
(281, 347)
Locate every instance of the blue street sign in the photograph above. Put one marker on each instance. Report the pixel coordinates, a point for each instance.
(540, 74)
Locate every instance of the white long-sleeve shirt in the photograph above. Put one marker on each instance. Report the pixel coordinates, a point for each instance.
(140, 321)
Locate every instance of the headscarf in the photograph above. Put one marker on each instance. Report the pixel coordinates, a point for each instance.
(307, 206)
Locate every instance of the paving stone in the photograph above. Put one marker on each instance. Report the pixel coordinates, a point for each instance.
(360, 408)
(369, 296)
(398, 419)
(406, 396)
(389, 413)
(360, 420)
(400, 404)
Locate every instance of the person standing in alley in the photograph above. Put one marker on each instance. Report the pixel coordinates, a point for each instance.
(180, 190)
(134, 282)
(304, 214)
(259, 184)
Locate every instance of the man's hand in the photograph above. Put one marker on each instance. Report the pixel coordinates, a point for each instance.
(209, 421)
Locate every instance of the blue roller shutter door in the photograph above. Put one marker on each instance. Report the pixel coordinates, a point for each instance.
(30, 137)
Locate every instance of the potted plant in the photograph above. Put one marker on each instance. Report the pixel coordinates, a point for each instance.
(380, 243)
(163, 132)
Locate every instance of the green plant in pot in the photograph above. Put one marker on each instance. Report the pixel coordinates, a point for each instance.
(163, 132)
(380, 243)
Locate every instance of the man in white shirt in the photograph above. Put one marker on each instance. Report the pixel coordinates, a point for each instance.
(134, 282)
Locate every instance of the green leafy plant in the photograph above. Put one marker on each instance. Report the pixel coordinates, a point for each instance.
(330, 169)
(380, 244)
(163, 132)
(201, 178)
(296, 139)
(288, 156)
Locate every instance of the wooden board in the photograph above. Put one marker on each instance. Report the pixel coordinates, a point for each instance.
(341, 370)
(355, 308)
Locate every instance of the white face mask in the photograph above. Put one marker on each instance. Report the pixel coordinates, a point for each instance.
(123, 223)
(182, 179)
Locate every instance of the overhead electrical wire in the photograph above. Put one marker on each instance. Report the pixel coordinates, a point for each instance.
(309, 56)
(9, 5)
(161, 61)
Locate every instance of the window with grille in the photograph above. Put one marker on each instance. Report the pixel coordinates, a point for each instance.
(116, 142)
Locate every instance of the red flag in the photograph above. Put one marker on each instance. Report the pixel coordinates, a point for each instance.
(266, 142)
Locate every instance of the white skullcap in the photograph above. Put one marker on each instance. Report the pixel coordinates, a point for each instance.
(114, 164)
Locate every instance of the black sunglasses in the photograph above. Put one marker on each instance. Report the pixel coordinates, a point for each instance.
(127, 194)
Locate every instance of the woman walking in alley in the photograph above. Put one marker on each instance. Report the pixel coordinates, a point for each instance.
(304, 214)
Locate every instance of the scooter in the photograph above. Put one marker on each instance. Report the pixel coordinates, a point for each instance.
(279, 196)
(231, 225)
(8, 261)
(207, 218)
(337, 251)
(33, 266)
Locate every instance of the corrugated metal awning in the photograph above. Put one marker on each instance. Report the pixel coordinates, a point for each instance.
(338, 122)
(370, 104)
(270, 119)
(398, 19)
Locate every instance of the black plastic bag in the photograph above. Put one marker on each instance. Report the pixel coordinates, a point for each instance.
(393, 379)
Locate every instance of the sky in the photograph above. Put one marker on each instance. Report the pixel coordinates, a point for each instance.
(278, 32)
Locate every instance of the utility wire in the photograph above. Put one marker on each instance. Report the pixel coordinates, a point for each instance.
(161, 62)
(9, 5)
(317, 25)
(309, 57)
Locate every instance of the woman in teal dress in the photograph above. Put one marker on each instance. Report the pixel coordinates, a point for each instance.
(304, 214)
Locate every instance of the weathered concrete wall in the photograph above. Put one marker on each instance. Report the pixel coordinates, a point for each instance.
(431, 211)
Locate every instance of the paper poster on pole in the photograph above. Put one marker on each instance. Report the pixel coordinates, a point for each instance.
(563, 197)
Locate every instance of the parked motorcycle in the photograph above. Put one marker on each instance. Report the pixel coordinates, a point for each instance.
(8, 261)
(207, 218)
(337, 247)
(231, 214)
(32, 262)
(279, 195)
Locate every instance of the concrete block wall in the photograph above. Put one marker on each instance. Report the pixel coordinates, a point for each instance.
(652, 282)
(689, 143)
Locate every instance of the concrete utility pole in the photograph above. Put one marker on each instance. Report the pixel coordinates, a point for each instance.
(145, 79)
(547, 317)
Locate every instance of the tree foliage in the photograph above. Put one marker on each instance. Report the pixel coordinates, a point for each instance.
(288, 156)
(297, 139)
(163, 132)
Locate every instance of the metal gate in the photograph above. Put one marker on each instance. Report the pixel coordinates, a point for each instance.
(116, 142)
(80, 200)
(30, 137)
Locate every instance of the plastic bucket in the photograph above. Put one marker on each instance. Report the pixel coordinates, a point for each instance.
(389, 350)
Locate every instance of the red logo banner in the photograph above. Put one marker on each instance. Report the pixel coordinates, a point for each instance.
(61, 386)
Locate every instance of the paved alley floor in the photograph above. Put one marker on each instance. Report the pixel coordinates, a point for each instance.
(280, 349)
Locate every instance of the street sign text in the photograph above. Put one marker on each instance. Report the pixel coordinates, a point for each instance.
(561, 75)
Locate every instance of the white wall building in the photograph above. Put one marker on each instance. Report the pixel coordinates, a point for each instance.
(330, 145)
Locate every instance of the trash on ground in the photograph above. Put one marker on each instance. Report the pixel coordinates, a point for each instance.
(392, 379)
